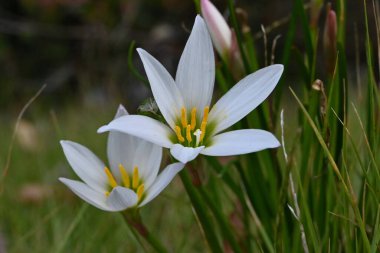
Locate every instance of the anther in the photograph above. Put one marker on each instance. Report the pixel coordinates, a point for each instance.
(193, 118)
(140, 191)
(177, 130)
(205, 114)
(107, 193)
(111, 179)
(135, 179)
(183, 117)
(188, 133)
(124, 176)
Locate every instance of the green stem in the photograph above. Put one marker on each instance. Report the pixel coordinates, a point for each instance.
(249, 202)
(134, 221)
(131, 66)
(71, 228)
(239, 37)
(201, 212)
(224, 225)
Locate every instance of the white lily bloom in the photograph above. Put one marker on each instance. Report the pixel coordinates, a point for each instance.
(132, 179)
(185, 104)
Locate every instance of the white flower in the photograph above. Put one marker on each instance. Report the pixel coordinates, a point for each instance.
(185, 104)
(132, 179)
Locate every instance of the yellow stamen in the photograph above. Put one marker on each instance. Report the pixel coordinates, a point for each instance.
(188, 133)
(140, 191)
(107, 193)
(111, 179)
(203, 130)
(124, 176)
(193, 118)
(135, 179)
(183, 117)
(177, 130)
(205, 114)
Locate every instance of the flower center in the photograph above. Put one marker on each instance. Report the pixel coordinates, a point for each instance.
(132, 182)
(186, 129)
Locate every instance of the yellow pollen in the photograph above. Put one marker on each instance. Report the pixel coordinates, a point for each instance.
(124, 176)
(177, 130)
(183, 117)
(140, 191)
(205, 114)
(188, 133)
(107, 193)
(135, 179)
(203, 130)
(193, 118)
(111, 179)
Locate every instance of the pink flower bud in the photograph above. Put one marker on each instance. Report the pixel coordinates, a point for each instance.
(330, 39)
(220, 31)
(330, 30)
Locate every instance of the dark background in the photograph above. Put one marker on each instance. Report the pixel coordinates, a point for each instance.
(79, 48)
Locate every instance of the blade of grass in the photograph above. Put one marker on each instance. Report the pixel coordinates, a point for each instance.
(133, 219)
(335, 168)
(308, 221)
(367, 141)
(292, 188)
(239, 36)
(220, 218)
(376, 232)
(131, 66)
(259, 226)
(71, 228)
(371, 128)
(298, 5)
(13, 138)
(201, 211)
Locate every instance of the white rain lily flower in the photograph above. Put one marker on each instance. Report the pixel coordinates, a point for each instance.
(132, 179)
(185, 104)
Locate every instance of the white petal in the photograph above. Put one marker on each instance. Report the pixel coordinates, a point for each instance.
(143, 127)
(218, 27)
(121, 150)
(185, 154)
(165, 177)
(85, 164)
(120, 147)
(147, 157)
(245, 96)
(121, 198)
(121, 111)
(196, 68)
(164, 89)
(241, 142)
(83, 191)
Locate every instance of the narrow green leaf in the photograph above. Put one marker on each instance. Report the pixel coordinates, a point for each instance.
(376, 232)
(239, 36)
(201, 211)
(132, 68)
(71, 228)
(337, 172)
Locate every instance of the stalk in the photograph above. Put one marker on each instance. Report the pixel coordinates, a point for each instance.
(201, 212)
(134, 221)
